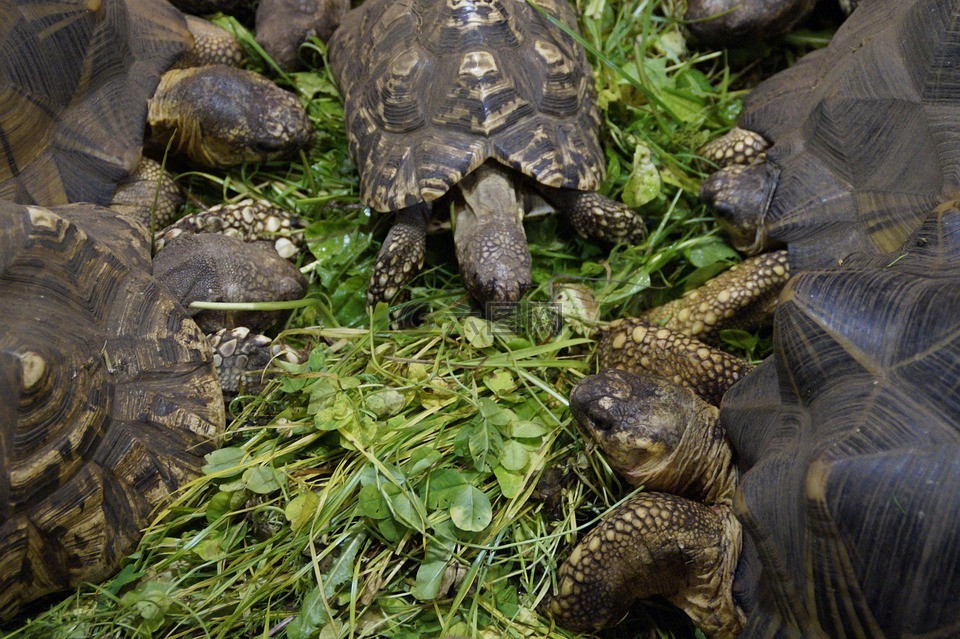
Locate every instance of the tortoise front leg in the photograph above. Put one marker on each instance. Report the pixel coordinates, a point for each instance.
(654, 544)
(243, 359)
(596, 216)
(401, 255)
(742, 297)
(677, 340)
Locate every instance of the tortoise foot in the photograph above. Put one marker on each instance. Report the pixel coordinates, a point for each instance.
(242, 359)
(736, 146)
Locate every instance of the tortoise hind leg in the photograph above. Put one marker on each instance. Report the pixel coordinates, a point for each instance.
(401, 255)
(596, 216)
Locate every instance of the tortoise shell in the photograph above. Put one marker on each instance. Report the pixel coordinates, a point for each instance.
(865, 133)
(848, 440)
(108, 397)
(443, 85)
(74, 83)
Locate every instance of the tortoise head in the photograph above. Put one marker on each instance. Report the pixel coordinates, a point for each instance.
(223, 116)
(740, 196)
(221, 268)
(656, 433)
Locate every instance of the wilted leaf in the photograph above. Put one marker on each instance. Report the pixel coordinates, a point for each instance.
(500, 382)
(478, 332)
(301, 509)
(386, 403)
(644, 182)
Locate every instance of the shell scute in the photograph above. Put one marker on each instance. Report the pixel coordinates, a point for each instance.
(864, 121)
(99, 426)
(849, 438)
(467, 24)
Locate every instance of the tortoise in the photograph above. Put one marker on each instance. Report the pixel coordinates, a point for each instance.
(88, 454)
(77, 84)
(846, 441)
(108, 401)
(848, 149)
(486, 96)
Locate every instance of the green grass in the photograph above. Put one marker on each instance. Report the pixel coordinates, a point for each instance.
(425, 482)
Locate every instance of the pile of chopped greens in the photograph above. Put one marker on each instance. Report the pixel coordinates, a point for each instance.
(428, 481)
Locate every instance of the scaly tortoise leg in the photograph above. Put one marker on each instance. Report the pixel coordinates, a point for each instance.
(596, 216)
(743, 297)
(635, 345)
(150, 195)
(401, 255)
(736, 146)
(669, 340)
(242, 359)
(247, 220)
(654, 544)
